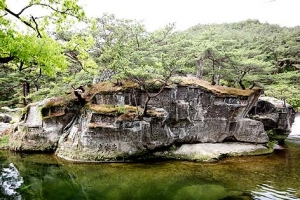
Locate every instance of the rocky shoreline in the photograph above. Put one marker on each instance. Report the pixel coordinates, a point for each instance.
(191, 120)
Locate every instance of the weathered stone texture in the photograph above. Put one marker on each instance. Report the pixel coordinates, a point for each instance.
(179, 115)
(5, 118)
(276, 115)
(41, 128)
(189, 115)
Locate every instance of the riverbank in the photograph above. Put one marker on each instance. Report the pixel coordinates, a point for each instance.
(190, 120)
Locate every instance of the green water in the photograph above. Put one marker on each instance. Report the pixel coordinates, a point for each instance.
(275, 176)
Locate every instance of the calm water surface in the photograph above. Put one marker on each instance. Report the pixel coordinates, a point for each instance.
(39, 176)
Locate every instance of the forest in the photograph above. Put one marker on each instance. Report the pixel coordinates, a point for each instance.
(45, 55)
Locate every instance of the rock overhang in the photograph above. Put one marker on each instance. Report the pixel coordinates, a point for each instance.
(110, 126)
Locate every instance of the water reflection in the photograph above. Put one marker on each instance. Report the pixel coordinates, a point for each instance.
(275, 176)
(10, 181)
(267, 191)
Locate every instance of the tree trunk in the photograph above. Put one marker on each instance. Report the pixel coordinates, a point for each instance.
(146, 105)
(37, 87)
(276, 64)
(219, 76)
(241, 80)
(242, 85)
(284, 101)
(26, 91)
(199, 65)
(213, 73)
(78, 93)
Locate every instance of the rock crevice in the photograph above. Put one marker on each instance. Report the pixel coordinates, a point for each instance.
(110, 126)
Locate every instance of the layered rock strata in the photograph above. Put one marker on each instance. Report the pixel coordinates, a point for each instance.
(276, 115)
(110, 126)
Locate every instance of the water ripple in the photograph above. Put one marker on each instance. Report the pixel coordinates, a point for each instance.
(10, 181)
(268, 192)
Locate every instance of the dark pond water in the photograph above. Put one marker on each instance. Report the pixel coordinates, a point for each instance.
(38, 176)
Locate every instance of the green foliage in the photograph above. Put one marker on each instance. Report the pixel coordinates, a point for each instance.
(244, 54)
(247, 54)
(285, 92)
(36, 63)
(4, 141)
(25, 47)
(45, 52)
(127, 49)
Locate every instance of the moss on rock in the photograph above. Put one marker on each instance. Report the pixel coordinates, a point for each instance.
(4, 142)
(216, 89)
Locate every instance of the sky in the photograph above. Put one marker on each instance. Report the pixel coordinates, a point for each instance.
(186, 13)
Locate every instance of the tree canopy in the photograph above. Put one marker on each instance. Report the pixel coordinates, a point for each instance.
(46, 54)
(29, 52)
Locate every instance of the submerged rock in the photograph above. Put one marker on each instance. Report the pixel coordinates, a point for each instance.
(203, 192)
(276, 115)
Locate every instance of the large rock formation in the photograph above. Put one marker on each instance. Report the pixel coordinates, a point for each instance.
(110, 127)
(42, 125)
(276, 115)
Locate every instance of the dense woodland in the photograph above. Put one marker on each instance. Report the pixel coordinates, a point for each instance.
(45, 55)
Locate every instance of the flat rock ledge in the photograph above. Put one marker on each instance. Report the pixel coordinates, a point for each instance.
(209, 152)
(203, 152)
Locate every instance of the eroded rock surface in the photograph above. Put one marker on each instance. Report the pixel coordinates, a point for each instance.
(110, 126)
(182, 114)
(215, 151)
(276, 115)
(42, 125)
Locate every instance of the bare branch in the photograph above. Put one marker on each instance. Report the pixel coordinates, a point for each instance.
(49, 6)
(56, 10)
(72, 55)
(21, 66)
(18, 17)
(36, 27)
(26, 7)
(3, 15)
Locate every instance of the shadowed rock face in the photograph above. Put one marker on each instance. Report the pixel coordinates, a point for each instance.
(179, 115)
(42, 126)
(276, 115)
(5, 118)
(109, 127)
